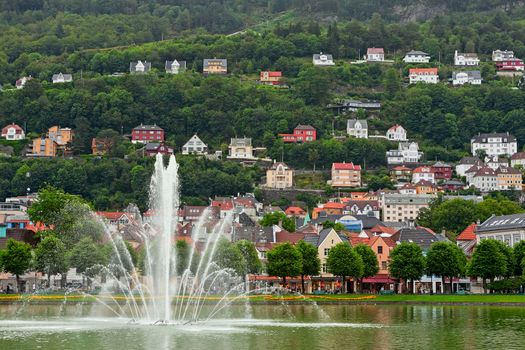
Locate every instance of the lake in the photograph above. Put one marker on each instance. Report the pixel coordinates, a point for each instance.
(271, 327)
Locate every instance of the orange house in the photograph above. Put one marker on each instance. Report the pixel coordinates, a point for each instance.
(382, 246)
(58, 139)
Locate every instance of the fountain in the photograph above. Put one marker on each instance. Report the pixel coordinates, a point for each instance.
(167, 294)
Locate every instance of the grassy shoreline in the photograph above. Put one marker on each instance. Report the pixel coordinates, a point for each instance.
(345, 299)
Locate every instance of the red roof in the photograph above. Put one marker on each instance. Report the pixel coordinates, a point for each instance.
(375, 50)
(388, 241)
(423, 71)
(402, 168)
(273, 73)
(345, 166)
(224, 205)
(295, 211)
(468, 233)
(111, 215)
(285, 236)
(17, 128)
(395, 127)
(378, 279)
(423, 169)
(383, 229)
(519, 155)
(333, 205)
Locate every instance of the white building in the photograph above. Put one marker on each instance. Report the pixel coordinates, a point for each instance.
(518, 159)
(396, 133)
(175, 67)
(502, 55)
(423, 173)
(423, 75)
(323, 59)
(375, 54)
(485, 180)
(241, 148)
(509, 229)
(465, 59)
(62, 78)
(195, 146)
(20, 83)
(357, 128)
(407, 152)
(403, 207)
(139, 67)
(472, 77)
(466, 163)
(494, 144)
(13, 132)
(416, 57)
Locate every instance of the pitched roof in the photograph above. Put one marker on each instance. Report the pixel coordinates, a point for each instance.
(507, 170)
(470, 160)
(295, 211)
(485, 171)
(317, 56)
(504, 222)
(148, 127)
(352, 122)
(472, 74)
(468, 234)
(483, 138)
(421, 236)
(422, 169)
(416, 53)
(304, 127)
(375, 50)
(394, 128)
(276, 165)
(285, 236)
(273, 73)
(401, 168)
(518, 155)
(18, 128)
(345, 166)
(423, 71)
(221, 61)
(333, 205)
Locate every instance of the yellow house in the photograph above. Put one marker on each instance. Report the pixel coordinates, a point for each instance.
(279, 175)
(44, 147)
(215, 66)
(509, 178)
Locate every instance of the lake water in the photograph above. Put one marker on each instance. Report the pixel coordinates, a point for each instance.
(272, 327)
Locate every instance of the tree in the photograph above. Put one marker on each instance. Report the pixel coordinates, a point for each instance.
(50, 257)
(407, 262)
(16, 259)
(391, 82)
(310, 258)
(337, 226)
(519, 256)
(370, 263)
(488, 262)
(85, 255)
(50, 202)
(344, 261)
(446, 259)
(249, 254)
(228, 255)
(278, 218)
(284, 260)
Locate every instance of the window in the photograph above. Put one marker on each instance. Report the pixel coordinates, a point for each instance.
(384, 265)
(324, 269)
(380, 249)
(326, 251)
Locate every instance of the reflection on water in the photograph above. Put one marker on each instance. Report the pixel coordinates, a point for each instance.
(272, 327)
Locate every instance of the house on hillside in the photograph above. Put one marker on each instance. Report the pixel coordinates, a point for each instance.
(175, 67)
(396, 133)
(357, 128)
(279, 175)
(472, 77)
(485, 180)
(147, 133)
(195, 146)
(346, 175)
(20, 83)
(423, 173)
(375, 54)
(407, 152)
(13, 132)
(397, 207)
(215, 66)
(323, 59)
(518, 159)
(153, 148)
(510, 64)
(442, 171)
(494, 144)
(62, 78)
(465, 59)
(139, 67)
(416, 57)
(241, 148)
(301, 133)
(508, 178)
(58, 140)
(401, 173)
(501, 55)
(466, 163)
(271, 78)
(423, 75)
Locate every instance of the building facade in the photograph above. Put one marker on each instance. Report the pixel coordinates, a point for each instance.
(323, 59)
(147, 133)
(13, 132)
(279, 175)
(416, 57)
(301, 133)
(346, 175)
(240, 148)
(375, 54)
(494, 144)
(465, 59)
(472, 77)
(215, 66)
(403, 207)
(195, 146)
(407, 152)
(396, 133)
(357, 128)
(271, 77)
(423, 75)
(509, 229)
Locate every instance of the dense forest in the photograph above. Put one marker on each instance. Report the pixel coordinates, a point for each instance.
(93, 39)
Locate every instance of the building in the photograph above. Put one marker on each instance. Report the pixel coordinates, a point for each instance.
(485, 180)
(453, 185)
(423, 237)
(518, 159)
(13, 132)
(408, 188)
(466, 240)
(101, 146)
(416, 57)
(423, 173)
(58, 140)
(382, 246)
(357, 128)
(342, 106)
(509, 229)
(301, 133)
(472, 77)
(323, 59)
(407, 152)
(426, 187)
(396, 133)
(139, 67)
(442, 171)
(153, 148)
(398, 207)
(496, 162)
(362, 207)
(241, 148)
(466, 163)
(346, 175)
(62, 78)
(508, 178)
(511, 64)
(501, 55)
(215, 66)
(175, 67)
(401, 173)
(195, 146)
(20, 83)
(147, 133)
(279, 175)
(271, 78)
(494, 144)
(375, 54)
(327, 239)
(465, 59)
(423, 75)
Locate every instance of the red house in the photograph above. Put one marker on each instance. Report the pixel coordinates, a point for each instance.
(152, 148)
(302, 133)
(510, 64)
(147, 133)
(442, 171)
(271, 78)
